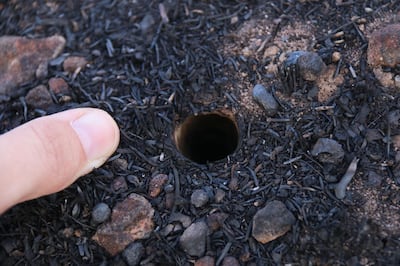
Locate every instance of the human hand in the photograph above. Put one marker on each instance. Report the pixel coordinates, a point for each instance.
(48, 154)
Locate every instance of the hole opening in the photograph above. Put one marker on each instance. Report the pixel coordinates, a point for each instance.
(207, 137)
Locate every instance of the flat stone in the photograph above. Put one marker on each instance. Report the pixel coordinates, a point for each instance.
(193, 239)
(39, 97)
(328, 151)
(72, 63)
(384, 46)
(23, 58)
(156, 184)
(131, 220)
(272, 221)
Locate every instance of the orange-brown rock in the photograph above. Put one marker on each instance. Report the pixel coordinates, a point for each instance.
(384, 46)
(72, 63)
(21, 58)
(59, 86)
(131, 219)
(39, 97)
(156, 184)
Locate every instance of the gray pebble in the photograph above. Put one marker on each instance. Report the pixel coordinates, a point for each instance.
(199, 198)
(265, 99)
(193, 239)
(100, 213)
(328, 151)
(133, 253)
(310, 66)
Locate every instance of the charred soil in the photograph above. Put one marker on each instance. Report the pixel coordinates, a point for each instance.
(152, 64)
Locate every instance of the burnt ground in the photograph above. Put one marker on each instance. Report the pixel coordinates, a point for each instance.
(199, 56)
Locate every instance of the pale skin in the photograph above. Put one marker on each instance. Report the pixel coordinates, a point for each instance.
(48, 154)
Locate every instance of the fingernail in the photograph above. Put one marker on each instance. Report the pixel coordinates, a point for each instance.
(98, 134)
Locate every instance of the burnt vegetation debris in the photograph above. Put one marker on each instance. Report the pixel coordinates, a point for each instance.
(151, 64)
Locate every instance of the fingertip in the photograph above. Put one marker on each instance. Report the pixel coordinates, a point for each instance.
(48, 154)
(99, 136)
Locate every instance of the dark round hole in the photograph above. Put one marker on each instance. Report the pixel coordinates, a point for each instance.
(207, 137)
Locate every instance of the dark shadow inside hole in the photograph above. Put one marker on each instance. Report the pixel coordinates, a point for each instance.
(207, 137)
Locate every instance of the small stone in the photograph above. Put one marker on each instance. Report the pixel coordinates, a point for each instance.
(133, 253)
(183, 219)
(205, 261)
(272, 221)
(131, 220)
(59, 86)
(219, 195)
(265, 99)
(310, 66)
(67, 232)
(384, 46)
(193, 239)
(120, 164)
(169, 200)
(396, 142)
(230, 261)
(328, 151)
(397, 81)
(21, 58)
(199, 198)
(72, 63)
(216, 220)
(39, 97)
(101, 212)
(336, 57)
(156, 184)
(119, 184)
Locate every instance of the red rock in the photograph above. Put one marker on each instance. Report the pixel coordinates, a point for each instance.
(131, 220)
(72, 63)
(156, 184)
(58, 86)
(39, 97)
(384, 46)
(22, 57)
(205, 261)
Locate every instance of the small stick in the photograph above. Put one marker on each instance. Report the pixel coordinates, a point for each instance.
(340, 188)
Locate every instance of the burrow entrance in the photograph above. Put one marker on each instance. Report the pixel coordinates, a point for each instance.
(207, 137)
